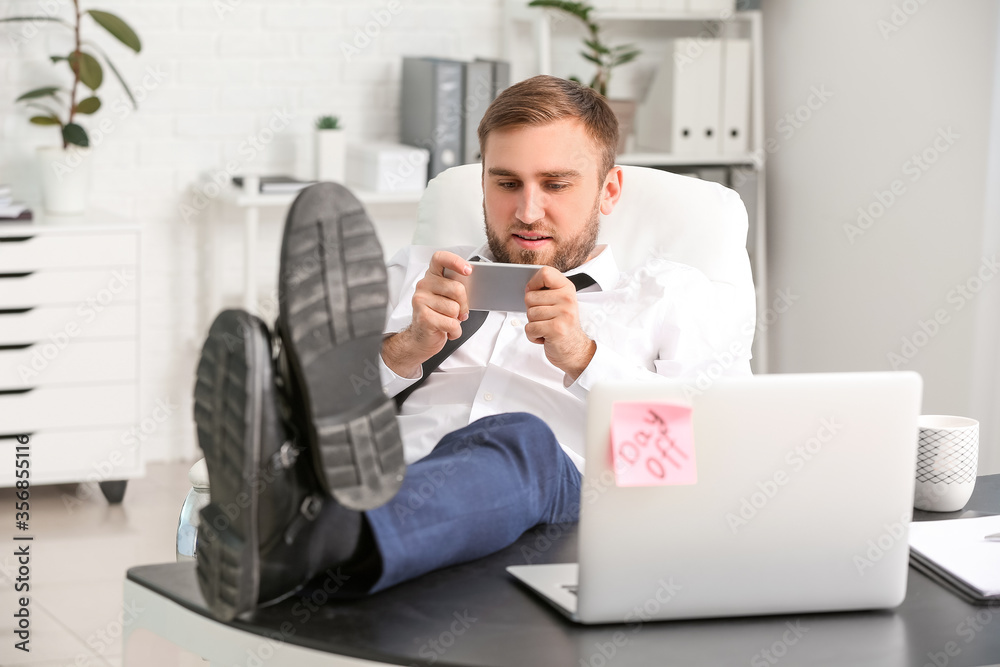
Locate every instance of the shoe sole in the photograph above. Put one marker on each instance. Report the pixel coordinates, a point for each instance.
(332, 306)
(232, 373)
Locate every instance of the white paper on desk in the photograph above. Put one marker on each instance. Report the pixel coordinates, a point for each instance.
(959, 546)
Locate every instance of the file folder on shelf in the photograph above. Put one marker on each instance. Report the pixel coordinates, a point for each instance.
(501, 74)
(431, 113)
(735, 123)
(681, 112)
(478, 95)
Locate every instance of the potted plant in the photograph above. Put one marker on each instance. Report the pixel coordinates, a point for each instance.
(604, 57)
(65, 169)
(330, 149)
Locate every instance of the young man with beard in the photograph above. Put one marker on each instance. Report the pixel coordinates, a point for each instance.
(306, 454)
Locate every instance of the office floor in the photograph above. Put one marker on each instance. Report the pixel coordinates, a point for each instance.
(79, 556)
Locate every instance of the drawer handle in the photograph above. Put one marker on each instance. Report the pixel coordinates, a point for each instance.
(15, 346)
(15, 436)
(15, 311)
(25, 274)
(4, 392)
(15, 239)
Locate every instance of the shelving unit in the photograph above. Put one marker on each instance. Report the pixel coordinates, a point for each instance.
(69, 351)
(748, 24)
(250, 204)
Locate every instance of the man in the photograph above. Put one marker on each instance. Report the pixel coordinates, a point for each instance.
(306, 455)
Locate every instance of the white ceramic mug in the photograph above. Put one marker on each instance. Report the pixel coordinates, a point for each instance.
(947, 460)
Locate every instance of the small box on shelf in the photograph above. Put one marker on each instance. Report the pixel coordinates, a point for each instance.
(387, 167)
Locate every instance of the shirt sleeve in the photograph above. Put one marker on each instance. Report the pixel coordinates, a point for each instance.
(392, 383)
(403, 271)
(696, 335)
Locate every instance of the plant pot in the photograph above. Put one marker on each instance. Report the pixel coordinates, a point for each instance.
(624, 111)
(65, 177)
(331, 149)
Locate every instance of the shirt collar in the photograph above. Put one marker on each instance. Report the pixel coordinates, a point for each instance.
(602, 268)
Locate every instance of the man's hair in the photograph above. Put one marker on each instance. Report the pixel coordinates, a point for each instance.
(545, 99)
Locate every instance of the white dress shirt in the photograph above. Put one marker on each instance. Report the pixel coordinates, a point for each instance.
(660, 322)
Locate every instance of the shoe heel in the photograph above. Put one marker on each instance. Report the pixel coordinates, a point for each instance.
(361, 459)
(333, 294)
(227, 568)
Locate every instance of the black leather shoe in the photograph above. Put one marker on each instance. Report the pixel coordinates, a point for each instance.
(333, 295)
(253, 535)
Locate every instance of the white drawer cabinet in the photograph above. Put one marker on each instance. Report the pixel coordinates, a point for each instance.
(45, 323)
(67, 361)
(69, 352)
(79, 454)
(33, 251)
(91, 288)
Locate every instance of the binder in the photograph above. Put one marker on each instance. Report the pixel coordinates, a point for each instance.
(681, 112)
(431, 113)
(735, 123)
(479, 92)
(501, 74)
(705, 74)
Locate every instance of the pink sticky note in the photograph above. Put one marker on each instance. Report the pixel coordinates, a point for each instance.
(652, 444)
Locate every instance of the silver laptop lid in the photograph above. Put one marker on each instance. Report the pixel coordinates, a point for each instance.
(803, 494)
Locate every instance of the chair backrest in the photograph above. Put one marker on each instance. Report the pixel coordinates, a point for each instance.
(660, 214)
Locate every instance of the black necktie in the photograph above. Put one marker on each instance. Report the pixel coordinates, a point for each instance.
(469, 327)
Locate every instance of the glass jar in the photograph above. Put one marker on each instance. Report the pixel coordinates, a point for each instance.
(187, 524)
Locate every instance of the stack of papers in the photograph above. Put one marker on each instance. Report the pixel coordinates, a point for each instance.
(10, 209)
(956, 552)
(275, 185)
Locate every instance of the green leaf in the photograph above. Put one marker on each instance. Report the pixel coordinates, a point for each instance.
(90, 71)
(114, 70)
(56, 59)
(74, 134)
(624, 58)
(327, 123)
(45, 120)
(47, 91)
(48, 111)
(118, 29)
(88, 106)
(54, 19)
(591, 58)
(596, 46)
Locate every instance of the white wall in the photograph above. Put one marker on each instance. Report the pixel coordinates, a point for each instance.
(211, 75)
(893, 93)
(986, 385)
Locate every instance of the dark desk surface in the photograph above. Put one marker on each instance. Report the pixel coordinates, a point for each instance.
(476, 615)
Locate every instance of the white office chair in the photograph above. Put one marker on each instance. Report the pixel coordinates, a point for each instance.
(660, 215)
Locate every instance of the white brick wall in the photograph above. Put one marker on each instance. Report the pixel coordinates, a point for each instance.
(223, 75)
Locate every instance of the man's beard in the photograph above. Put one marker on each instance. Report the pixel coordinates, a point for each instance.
(568, 254)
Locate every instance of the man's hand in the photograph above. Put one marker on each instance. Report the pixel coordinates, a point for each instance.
(440, 305)
(554, 321)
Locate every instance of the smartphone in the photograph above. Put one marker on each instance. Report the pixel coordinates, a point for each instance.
(496, 286)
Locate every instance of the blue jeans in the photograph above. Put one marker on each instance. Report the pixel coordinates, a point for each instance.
(476, 493)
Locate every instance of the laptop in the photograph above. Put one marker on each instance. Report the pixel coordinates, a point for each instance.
(802, 502)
